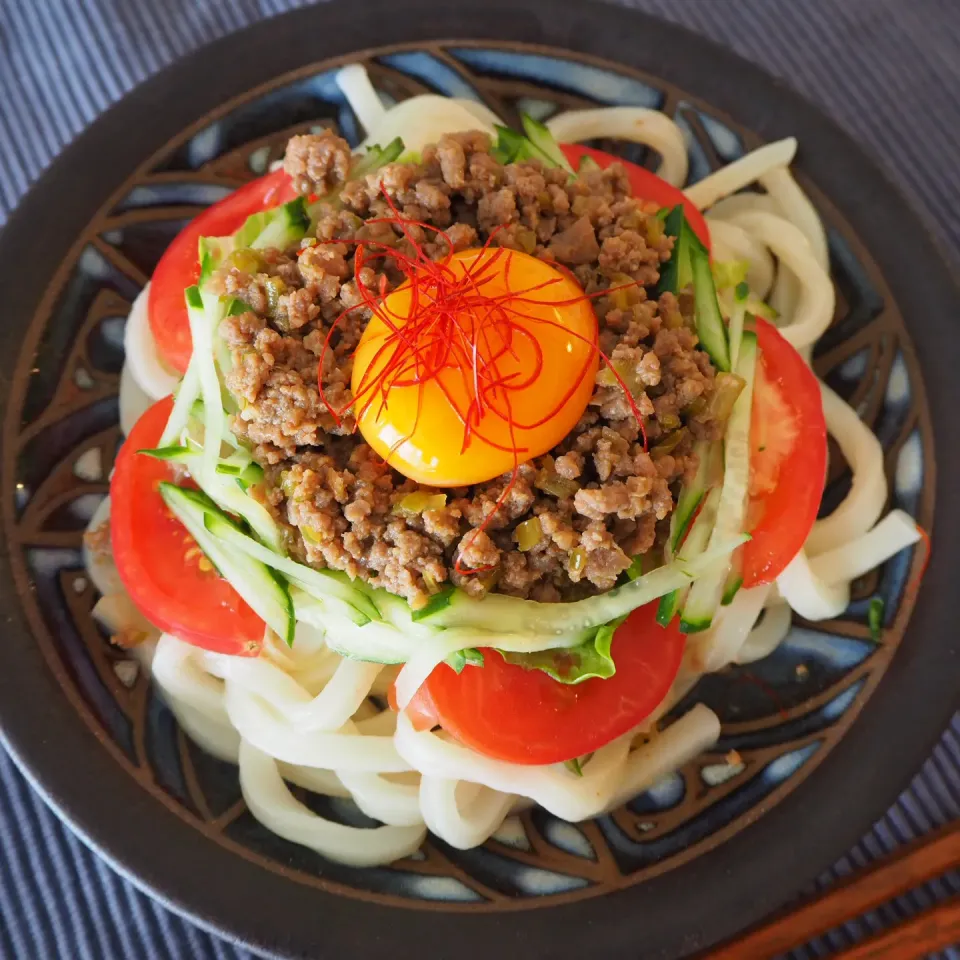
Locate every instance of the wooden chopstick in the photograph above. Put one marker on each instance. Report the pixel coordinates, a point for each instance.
(931, 930)
(914, 864)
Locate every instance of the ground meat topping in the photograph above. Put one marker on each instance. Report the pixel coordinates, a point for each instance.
(317, 162)
(600, 497)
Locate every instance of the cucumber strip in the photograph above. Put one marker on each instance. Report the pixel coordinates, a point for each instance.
(266, 593)
(226, 486)
(710, 327)
(677, 273)
(320, 583)
(706, 594)
(508, 146)
(544, 142)
(205, 313)
(570, 620)
(229, 495)
(731, 589)
(735, 332)
(187, 394)
(373, 642)
(708, 470)
(376, 157)
(196, 413)
(212, 252)
(693, 546)
(246, 475)
(734, 578)
(283, 227)
(174, 453)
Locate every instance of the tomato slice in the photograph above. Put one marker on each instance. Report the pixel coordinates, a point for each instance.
(788, 462)
(179, 267)
(159, 562)
(523, 716)
(645, 185)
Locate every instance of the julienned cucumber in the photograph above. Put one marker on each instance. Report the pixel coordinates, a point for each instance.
(710, 326)
(376, 157)
(205, 313)
(709, 469)
(692, 547)
(508, 146)
(571, 620)
(320, 583)
(734, 578)
(266, 593)
(690, 263)
(543, 140)
(281, 227)
(707, 593)
(677, 273)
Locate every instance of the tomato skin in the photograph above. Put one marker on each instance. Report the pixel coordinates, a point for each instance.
(645, 185)
(788, 512)
(152, 551)
(524, 716)
(179, 267)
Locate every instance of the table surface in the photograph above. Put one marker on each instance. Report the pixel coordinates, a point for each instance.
(888, 70)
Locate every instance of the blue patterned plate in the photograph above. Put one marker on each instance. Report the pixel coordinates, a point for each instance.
(706, 850)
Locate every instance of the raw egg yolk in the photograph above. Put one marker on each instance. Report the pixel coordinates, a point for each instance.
(478, 363)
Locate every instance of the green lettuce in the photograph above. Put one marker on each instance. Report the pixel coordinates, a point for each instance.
(572, 665)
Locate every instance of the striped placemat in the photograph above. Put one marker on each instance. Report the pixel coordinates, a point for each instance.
(887, 69)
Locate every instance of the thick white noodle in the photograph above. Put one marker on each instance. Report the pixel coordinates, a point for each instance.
(896, 531)
(329, 710)
(99, 563)
(741, 173)
(864, 504)
(686, 738)
(767, 635)
(553, 787)
(731, 242)
(383, 724)
(140, 351)
(462, 821)
(808, 594)
(343, 750)
(276, 808)
(713, 650)
(396, 804)
(729, 207)
(426, 118)
(636, 124)
(785, 298)
(176, 669)
(796, 207)
(325, 782)
(354, 83)
(814, 310)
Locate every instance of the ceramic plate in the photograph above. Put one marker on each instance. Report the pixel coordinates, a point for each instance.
(827, 729)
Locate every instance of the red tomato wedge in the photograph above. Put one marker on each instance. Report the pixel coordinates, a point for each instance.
(160, 564)
(788, 462)
(645, 185)
(179, 267)
(524, 716)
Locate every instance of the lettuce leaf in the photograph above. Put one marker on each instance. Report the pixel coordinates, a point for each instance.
(572, 665)
(469, 656)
